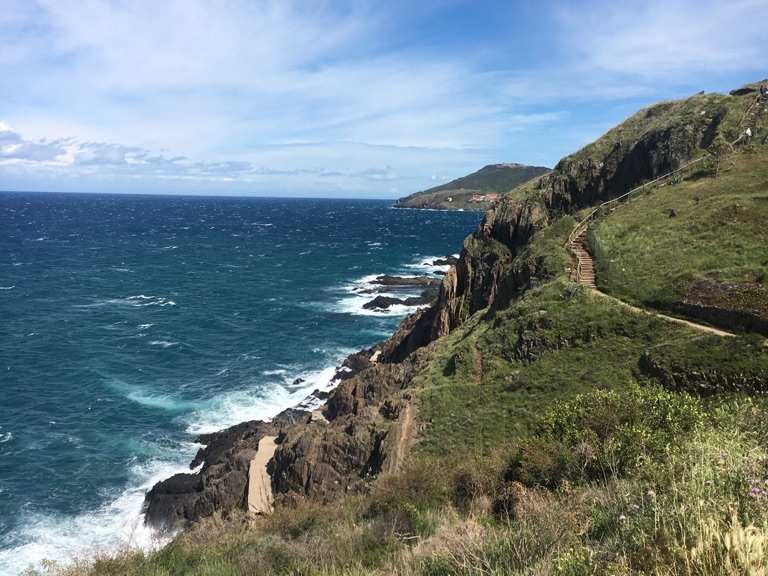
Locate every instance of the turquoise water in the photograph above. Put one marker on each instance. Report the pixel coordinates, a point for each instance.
(130, 323)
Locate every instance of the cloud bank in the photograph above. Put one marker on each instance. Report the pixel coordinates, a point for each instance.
(338, 98)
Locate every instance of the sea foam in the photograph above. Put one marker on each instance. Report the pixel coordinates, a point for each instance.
(118, 524)
(261, 403)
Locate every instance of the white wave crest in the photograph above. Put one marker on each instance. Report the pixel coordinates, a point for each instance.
(163, 343)
(139, 301)
(362, 290)
(262, 404)
(142, 300)
(117, 525)
(425, 265)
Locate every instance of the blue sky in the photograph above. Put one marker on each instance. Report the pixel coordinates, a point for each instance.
(337, 98)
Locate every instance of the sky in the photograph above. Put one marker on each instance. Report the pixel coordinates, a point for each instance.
(357, 99)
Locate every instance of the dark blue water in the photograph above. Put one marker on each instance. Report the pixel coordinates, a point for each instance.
(129, 323)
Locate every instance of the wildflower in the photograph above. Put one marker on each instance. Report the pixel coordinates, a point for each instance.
(708, 482)
(622, 518)
(755, 492)
(650, 493)
(635, 507)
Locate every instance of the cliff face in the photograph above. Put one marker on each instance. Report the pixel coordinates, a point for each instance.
(489, 272)
(366, 421)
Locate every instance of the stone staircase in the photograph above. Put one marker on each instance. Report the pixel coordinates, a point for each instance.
(584, 271)
(752, 115)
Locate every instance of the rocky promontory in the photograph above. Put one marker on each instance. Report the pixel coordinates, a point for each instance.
(359, 431)
(476, 191)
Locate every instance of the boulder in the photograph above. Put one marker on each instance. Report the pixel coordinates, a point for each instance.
(387, 280)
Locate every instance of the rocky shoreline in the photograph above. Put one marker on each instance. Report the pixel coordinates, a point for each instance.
(398, 290)
(363, 428)
(331, 442)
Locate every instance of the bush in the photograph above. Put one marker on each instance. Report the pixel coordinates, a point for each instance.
(404, 505)
(475, 482)
(603, 434)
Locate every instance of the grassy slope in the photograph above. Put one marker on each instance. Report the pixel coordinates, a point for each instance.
(499, 178)
(542, 448)
(717, 235)
(449, 512)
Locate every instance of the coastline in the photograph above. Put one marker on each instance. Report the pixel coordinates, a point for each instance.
(230, 459)
(426, 209)
(245, 384)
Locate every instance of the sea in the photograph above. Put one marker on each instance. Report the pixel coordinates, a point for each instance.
(129, 324)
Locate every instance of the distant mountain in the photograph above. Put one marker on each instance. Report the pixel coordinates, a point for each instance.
(494, 179)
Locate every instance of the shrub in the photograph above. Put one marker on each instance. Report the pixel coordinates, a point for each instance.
(475, 481)
(403, 505)
(603, 434)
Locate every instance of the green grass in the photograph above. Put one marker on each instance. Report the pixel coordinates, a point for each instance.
(717, 235)
(710, 365)
(697, 110)
(539, 350)
(692, 502)
(545, 446)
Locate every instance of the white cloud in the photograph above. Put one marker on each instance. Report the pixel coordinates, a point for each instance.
(668, 39)
(15, 148)
(204, 90)
(335, 167)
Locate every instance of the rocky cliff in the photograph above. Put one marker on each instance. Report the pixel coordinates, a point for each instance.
(366, 419)
(491, 269)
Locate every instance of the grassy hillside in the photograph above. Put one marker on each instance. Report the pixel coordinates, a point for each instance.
(696, 245)
(553, 455)
(558, 432)
(499, 178)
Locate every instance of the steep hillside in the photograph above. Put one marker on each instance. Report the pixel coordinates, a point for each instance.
(458, 194)
(500, 261)
(526, 424)
(697, 247)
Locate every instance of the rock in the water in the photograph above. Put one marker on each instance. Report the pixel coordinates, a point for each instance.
(447, 261)
(387, 280)
(382, 303)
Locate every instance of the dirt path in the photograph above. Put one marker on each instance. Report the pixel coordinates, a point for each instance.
(585, 274)
(259, 482)
(478, 361)
(638, 310)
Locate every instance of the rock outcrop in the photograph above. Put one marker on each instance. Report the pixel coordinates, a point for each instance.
(703, 380)
(318, 455)
(489, 273)
(322, 457)
(221, 483)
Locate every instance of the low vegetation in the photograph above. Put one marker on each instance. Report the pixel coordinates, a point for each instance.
(644, 482)
(696, 245)
(561, 433)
